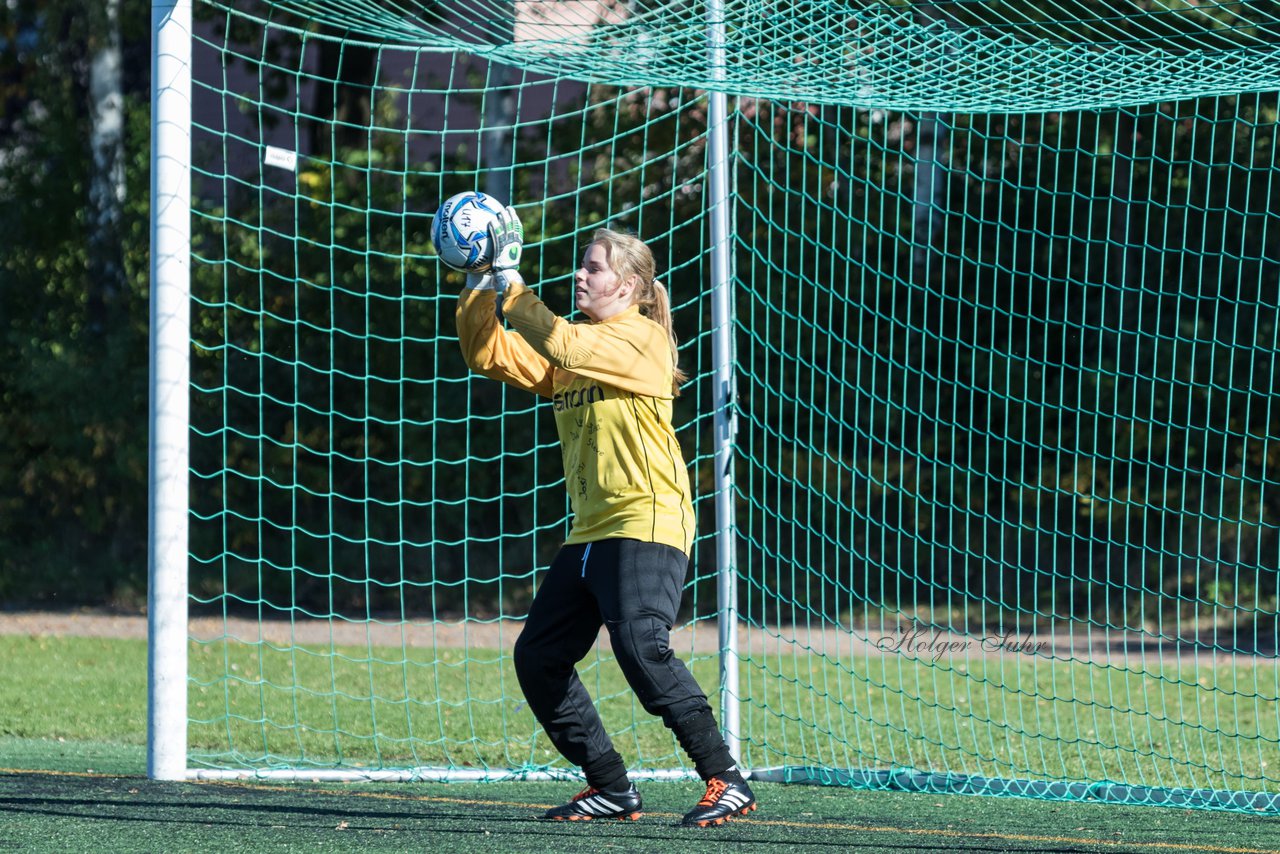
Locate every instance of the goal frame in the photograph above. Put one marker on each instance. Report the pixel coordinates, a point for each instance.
(169, 421)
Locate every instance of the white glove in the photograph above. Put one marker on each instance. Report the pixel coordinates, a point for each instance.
(506, 236)
(480, 281)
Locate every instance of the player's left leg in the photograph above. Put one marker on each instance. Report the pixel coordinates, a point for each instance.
(638, 588)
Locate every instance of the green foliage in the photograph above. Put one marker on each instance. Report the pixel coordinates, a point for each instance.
(1063, 388)
(72, 398)
(72, 432)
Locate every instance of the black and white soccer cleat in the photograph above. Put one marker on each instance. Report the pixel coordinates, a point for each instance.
(724, 798)
(593, 803)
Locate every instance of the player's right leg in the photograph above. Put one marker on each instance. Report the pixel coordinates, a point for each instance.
(638, 587)
(564, 621)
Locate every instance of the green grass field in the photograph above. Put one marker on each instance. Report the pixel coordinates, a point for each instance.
(72, 730)
(1000, 717)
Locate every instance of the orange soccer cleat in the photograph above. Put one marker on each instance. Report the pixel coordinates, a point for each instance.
(724, 798)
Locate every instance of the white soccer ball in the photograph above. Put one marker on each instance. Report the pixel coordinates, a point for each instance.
(460, 231)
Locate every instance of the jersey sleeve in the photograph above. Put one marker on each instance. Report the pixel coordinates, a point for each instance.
(631, 354)
(496, 353)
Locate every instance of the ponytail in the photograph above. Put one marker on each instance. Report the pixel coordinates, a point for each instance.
(659, 311)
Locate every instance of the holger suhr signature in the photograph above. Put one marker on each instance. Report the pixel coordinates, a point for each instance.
(921, 641)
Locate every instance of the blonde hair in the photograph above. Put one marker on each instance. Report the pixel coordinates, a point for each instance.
(628, 256)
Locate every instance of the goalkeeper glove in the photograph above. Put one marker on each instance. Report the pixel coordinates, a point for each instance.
(506, 236)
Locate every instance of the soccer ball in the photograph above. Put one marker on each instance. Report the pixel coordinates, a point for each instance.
(460, 231)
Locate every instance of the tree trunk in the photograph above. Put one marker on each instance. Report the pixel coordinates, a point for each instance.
(499, 134)
(342, 102)
(498, 141)
(928, 203)
(1124, 252)
(928, 200)
(106, 182)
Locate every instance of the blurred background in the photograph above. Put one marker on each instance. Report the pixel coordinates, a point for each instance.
(74, 163)
(1045, 342)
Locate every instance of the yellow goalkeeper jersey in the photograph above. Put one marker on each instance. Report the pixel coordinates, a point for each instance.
(609, 386)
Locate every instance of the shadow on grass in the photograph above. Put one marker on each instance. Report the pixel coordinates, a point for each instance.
(99, 812)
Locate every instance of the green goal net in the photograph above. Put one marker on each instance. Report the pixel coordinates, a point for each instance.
(1004, 509)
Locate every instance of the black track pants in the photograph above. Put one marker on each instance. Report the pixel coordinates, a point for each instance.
(634, 589)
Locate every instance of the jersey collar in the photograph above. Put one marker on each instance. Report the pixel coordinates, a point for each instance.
(629, 311)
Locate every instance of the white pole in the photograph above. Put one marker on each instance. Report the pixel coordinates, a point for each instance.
(170, 383)
(723, 395)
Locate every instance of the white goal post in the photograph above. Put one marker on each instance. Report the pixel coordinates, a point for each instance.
(170, 374)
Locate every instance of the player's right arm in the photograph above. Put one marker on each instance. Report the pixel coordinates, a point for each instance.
(494, 352)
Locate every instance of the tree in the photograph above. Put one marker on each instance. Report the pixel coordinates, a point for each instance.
(73, 380)
(106, 182)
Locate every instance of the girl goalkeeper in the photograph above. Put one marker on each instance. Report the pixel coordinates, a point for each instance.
(611, 382)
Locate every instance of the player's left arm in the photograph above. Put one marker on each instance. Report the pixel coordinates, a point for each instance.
(630, 354)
